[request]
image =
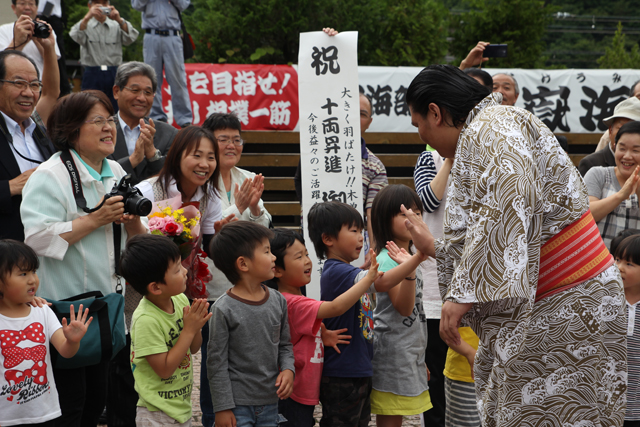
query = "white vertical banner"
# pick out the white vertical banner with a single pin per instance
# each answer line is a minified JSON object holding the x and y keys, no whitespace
{"x":330,"y":152}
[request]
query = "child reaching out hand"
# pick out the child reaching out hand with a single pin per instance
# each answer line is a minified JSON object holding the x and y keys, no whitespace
{"x":28,"y":394}
{"x":399,"y":373}
{"x":336,"y":231}
{"x":293,"y":271}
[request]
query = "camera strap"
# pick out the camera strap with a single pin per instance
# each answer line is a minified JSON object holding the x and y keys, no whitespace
{"x":76,"y":187}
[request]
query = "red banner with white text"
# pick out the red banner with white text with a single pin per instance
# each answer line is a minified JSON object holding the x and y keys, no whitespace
{"x":264,"y":97}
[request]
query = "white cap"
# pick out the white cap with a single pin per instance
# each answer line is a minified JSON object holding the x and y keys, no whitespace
{"x":627,"y":109}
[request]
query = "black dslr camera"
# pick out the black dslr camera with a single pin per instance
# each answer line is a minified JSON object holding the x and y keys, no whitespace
{"x":134,"y":202}
{"x":41,"y":30}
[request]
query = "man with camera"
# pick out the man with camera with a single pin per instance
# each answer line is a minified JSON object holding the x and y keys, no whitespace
{"x":21,"y":34}
{"x":101,"y":34}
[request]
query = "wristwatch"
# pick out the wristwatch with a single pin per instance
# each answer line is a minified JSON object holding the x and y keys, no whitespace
{"x":157,"y":156}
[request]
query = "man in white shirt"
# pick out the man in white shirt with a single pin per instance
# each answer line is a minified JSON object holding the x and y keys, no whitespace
{"x":53,"y":16}
{"x":19,"y":34}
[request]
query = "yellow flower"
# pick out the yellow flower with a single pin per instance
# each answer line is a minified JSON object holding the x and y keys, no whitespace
{"x":157,"y":214}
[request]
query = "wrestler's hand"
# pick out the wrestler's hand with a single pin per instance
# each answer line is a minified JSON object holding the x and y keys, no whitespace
{"x":452,"y":313}
{"x":420,"y":234}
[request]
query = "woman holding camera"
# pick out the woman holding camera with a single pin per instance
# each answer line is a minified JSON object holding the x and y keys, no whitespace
{"x":76,"y":249}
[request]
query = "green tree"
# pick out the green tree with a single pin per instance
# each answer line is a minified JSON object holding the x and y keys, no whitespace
{"x":519,"y":23}
{"x":618,"y":55}
{"x":402,"y":32}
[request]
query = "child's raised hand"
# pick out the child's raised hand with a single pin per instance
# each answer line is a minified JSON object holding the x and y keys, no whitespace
{"x":38,"y":302}
{"x":77,"y":326}
{"x":397,"y":254}
{"x":284,"y":382}
{"x":197,"y":315}
{"x":373,"y":273}
{"x":333,"y":338}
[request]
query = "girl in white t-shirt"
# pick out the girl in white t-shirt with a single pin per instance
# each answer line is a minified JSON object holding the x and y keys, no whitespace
{"x":27,"y":390}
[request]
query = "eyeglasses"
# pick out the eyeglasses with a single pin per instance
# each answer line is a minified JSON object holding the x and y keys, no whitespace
{"x":35,"y":86}
{"x":100,"y":121}
{"x":136,"y":91}
{"x":25,"y":4}
{"x":238,"y":142}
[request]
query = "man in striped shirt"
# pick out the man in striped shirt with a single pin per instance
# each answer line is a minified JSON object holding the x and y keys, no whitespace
{"x":374,"y":174}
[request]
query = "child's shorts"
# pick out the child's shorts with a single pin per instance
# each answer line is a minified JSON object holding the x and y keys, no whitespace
{"x":147,"y":418}
{"x":385,"y":403}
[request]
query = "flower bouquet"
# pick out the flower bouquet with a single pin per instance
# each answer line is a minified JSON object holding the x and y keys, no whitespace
{"x":182,"y":224}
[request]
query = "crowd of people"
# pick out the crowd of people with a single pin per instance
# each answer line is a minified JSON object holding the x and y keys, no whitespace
{"x":489,"y":295}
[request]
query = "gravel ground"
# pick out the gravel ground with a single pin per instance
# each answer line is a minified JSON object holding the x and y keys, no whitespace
{"x":413,"y":421}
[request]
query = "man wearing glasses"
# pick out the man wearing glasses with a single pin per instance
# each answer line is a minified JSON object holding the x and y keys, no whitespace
{"x":141,"y":143}
{"x":23,"y":144}
{"x":101,"y":34}
{"x":19,"y":34}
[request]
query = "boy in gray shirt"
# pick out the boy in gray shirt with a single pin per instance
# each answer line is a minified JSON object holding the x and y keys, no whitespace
{"x":250,"y":361}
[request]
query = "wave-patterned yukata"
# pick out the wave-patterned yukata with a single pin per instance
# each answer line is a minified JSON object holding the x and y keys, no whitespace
{"x":557,"y":362}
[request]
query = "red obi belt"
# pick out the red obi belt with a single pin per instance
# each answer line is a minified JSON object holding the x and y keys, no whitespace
{"x":571,"y":257}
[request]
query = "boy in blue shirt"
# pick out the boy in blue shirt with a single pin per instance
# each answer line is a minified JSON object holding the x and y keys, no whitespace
{"x":336,"y":232}
{"x":165,"y":331}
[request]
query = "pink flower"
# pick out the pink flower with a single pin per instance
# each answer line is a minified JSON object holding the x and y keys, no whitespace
{"x":156,"y":223}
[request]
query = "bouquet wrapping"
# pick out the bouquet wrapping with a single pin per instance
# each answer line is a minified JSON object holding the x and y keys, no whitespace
{"x":181,"y":223}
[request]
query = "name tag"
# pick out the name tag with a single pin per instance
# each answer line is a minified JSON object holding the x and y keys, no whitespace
{"x":103,"y":68}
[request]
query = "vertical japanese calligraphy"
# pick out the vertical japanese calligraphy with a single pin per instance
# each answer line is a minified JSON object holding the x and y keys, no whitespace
{"x":329,"y":127}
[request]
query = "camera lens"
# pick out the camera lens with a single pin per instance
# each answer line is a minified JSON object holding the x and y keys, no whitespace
{"x":137,"y":205}
{"x":40,"y":30}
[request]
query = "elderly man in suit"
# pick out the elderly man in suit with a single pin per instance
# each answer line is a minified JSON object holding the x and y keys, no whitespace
{"x":23,"y":142}
{"x":141,"y":143}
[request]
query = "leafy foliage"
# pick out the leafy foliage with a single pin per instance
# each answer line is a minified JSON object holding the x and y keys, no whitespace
{"x":518,"y":23}
{"x":617,"y":55}
{"x":404,"y":32}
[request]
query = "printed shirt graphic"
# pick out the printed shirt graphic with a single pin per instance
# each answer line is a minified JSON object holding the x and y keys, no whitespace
{"x":354,"y":361}
{"x":399,"y":342}
{"x":154,"y":331}
{"x":308,"y":349}
{"x":28,"y":393}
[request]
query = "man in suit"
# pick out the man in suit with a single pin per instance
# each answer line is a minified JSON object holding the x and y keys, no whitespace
{"x":141,"y":143}
{"x":23,"y":143}
{"x":625,"y":111}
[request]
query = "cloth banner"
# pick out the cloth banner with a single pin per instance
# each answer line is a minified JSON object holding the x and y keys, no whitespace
{"x":265,"y":97}
{"x":330,"y":151}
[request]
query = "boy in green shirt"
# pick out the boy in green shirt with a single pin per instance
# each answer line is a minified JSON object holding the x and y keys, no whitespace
{"x":165,"y":331}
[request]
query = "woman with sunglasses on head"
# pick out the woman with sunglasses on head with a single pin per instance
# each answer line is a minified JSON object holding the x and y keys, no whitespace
{"x":75,"y":248}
